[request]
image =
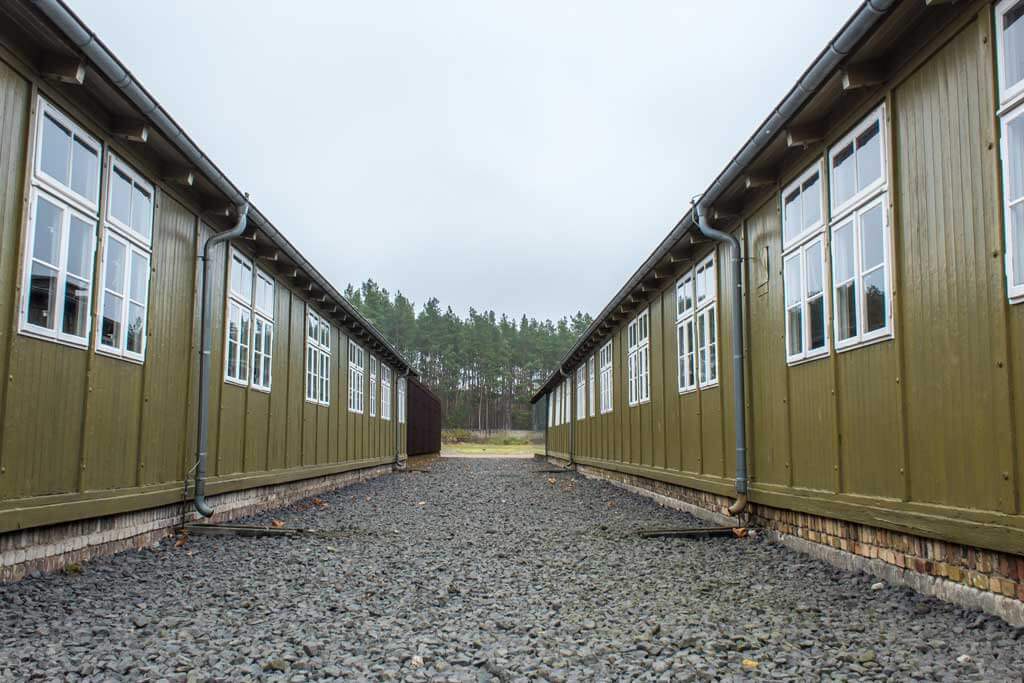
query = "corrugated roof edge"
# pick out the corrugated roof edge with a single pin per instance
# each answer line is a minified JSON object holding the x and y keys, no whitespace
{"x":864,"y":19}
{"x":86,"y":40}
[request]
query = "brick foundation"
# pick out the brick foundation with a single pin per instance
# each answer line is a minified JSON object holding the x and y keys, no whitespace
{"x":51,"y":548}
{"x":987,"y":580}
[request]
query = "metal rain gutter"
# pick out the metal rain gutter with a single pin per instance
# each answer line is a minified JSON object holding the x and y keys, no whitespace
{"x":863,"y":21}
{"x":111,"y":67}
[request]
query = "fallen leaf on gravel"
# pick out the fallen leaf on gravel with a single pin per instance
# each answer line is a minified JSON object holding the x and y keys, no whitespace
{"x":551,"y":480}
{"x":611,"y":503}
{"x":739,"y":531}
{"x":422,"y":502}
{"x":182,"y":540}
{"x":277,"y":523}
{"x":749,"y":664}
{"x":319,"y":503}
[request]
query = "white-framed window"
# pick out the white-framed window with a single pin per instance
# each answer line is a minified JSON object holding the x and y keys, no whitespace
{"x":581,"y":393}
{"x":373,"y":386}
{"x":67,"y":158}
{"x":804,"y":278}
{"x":859,"y":235}
{"x":803,"y":259}
{"x":551,"y":408}
{"x":591,"y":389}
{"x":128,"y":231}
{"x":567,"y":401}
{"x":802,"y":210}
{"x":402,"y":392}
{"x":638,"y":362}
{"x":605,"y":357}
{"x":318,"y":358}
{"x":58,"y":265}
{"x":250,"y":329}
{"x":697,"y":327}
{"x":857,"y":171}
{"x":385,"y":392}
{"x":861,"y":293}
{"x":356,"y":365}
{"x":1010,"y":51}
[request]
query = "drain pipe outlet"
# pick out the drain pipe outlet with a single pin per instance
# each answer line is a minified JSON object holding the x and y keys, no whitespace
{"x":739,"y":402}
{"x":203,"y":431}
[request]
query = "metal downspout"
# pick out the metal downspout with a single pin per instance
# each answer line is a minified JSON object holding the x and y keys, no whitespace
{"x":203,"y":432}
{"x":739,"y":401}
{"x":398,"y":425}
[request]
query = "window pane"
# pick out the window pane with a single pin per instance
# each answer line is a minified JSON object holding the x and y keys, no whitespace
{"x":136,"y":327}
{"x":56,"y":150}
{"x":268,"y":349}
{"x":842,"y":245}
{"x":115,"y":264}
{"x":846,"y":311}
{"x":815,"y":281}
{"x":1015,"y":160}
{"x":1013,"y":45}
{"x":47,"y":232}
{"x":869,"y":156}
{"x":843,"y":183}
{"x":871,"y":239}
{"x":85,"y":170}
{"x":811,"y":201}
{"x":791,"y":228}
{"x":140,"y":277}
{"x":80,"y":248}
{"x":243,"y":344}
{"x":795,"y":330}
{"x":42,"y":296}
{"x":142,"y":212}
{"x":816,"y":323}
{"x":110,"y":330}
{"x":1017,"y":258}
{"x":875,"y":300}
{"x":712,"y":357}
{"x":794,"y":289}
{"x":121,"y":197}
{"x":76,"y":306}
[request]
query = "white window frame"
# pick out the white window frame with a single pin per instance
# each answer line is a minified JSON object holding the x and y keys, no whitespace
{"x":581,"y":393}
{"x":56,"y":334}
{"x":797,"y":184}
{"x":263,"y":318}
{"x":1011,"y":95}
{"x":374,"y":363}
{"x":71,"y":203}
{"x":356,"y":377}
{"x":385,"y":392}
{"x":89,"y":205}
{"x":865,"y":194}
{"x":135,"y":244}
{"x":862,"y":337}
{"x":402,"y":393}
{"x":318,"y":358}
{"x":591,"y":390}
{"x":798,"y":248}
{"x":244,"y":304}
{"x":801,"y":254}
{"x":639,"y":358}
{"x":686,"y":332}
{"x":567,"y":389}
{"x":607,"y":360}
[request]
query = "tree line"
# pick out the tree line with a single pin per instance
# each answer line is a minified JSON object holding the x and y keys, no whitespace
{"x":484,"y":367}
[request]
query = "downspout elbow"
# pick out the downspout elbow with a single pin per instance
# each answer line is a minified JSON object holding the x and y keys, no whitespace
{"x":200,"y":503}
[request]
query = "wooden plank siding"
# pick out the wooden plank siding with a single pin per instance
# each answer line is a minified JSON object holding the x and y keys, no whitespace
{"x":920,"y":433}
{"x":84,"y":434}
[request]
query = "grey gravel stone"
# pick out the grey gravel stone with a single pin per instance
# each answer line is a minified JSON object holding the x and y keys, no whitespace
{"x":500,"y":576}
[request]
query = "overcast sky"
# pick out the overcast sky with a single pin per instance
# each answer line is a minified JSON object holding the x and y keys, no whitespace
{"x":519,"y":156}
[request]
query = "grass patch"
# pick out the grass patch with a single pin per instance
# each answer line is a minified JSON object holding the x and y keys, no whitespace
{"x":471,"y":448}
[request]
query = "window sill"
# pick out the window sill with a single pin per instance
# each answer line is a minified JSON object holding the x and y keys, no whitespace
{"x":709,"y":385}
{"x":355,"y":412}
{"x":262,"y":390}
{"x":818,"y":355}
{"x":236,"y":383}
{"x":688,"y":390}
{"x":32,"y":334}
{"x":110,"y":353}
{"x":859,"y":344}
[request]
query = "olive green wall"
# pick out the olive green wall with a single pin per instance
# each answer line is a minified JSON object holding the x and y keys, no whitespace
{"x":920,"y":433}
{"x":85,"y":434}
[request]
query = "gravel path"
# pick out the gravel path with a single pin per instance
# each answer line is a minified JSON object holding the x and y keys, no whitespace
{"x":486,"y":570}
